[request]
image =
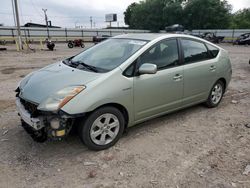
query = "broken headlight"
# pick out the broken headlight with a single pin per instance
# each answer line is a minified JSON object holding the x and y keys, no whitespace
{"x":60,"y":98}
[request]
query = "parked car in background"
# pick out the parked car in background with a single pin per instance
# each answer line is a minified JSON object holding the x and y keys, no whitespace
{"x":243,"y":39}
{"x":97,"y":39}
{"x":176,"y":28}
{"x":210,"y":36}
{"x":120,"y":82}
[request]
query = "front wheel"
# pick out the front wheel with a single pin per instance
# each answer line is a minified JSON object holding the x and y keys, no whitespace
{"x":82,"y":45}
{"x":102,"y":128}
{"x":216,"y":94}
{"x":70,"y":45}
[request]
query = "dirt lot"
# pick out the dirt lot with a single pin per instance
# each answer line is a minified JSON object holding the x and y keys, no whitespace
{"x":196,"y":147}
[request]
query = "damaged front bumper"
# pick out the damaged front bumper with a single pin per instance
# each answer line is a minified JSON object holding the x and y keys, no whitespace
{"x":43,"y":125}
{"x":35,"y":123}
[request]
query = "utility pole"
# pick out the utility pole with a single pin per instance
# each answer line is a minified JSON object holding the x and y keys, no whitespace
{"x":14,"y":14}
{"x":18,"y":26}
{"x":91,"y":21}
{"x":46,"y":20}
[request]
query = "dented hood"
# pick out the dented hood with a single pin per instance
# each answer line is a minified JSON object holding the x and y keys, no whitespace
{"x":40,"y":84}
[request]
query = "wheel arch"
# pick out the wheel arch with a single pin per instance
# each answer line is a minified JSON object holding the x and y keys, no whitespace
{"x":224,"y":82}
{"x":120,"y":107}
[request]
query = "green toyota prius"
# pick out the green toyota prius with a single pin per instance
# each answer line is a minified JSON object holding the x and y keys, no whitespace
{"x":123,"y":81}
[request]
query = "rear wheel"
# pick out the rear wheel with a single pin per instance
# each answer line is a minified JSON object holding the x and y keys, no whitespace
{"x":102,"y":128}
{"x":216,"y":94}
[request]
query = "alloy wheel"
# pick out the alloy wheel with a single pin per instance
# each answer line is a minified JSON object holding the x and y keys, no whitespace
{"x":104,"y":129}
{"x":217,"y":93}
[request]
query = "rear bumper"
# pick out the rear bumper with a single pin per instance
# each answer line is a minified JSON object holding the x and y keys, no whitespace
{"x":35,"y":123}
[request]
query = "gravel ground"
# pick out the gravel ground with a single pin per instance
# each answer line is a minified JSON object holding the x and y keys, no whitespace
{"x":195,"y":147}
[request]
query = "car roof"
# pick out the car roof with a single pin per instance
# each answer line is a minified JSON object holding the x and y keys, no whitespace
{"x":155,"y":36}
{"x":141,"y":36}
{"x":151,"y":36}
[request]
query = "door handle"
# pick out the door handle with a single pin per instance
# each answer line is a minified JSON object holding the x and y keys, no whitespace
{"x":177,"y":77}
{"x":212,"y":67}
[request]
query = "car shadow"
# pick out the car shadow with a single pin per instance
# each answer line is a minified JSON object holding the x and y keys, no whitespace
{"x":74,"y":141}
{"x":152,"y":124}
{"x":71,"y":146}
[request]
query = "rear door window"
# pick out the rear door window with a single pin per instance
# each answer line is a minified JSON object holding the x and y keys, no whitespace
{"x":194,"y":51}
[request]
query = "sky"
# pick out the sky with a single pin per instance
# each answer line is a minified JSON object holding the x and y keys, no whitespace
{"x":71,"y":13}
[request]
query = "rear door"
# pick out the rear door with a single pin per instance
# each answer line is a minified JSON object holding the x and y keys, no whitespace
{"x":158,"y":93}
{"x":199,"y":71}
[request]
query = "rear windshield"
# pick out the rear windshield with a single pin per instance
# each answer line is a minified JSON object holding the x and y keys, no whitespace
{"x":109,"y":54}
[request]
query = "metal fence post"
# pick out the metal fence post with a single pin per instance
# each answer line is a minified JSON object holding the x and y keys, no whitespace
{"x":233,"y":36}
{"x":13,"y":35}
{"x":66,"y":34}
{"x":28,"y":33}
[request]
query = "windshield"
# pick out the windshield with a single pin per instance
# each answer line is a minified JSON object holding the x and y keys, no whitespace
{"x":107,"y":55}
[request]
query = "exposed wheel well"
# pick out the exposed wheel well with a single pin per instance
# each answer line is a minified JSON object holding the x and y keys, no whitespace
{"x":224,"y":82}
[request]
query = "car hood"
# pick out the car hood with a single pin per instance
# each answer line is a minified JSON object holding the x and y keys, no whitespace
{"x":40,"y":84}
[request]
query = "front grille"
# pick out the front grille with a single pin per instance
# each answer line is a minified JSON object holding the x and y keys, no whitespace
{"x":30,"y":107}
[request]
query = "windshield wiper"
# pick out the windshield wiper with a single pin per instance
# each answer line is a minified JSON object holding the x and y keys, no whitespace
{"x":92,"y":68}
{"x":66,"y":61}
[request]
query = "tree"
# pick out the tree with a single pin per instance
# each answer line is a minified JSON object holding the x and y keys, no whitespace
{"x":241,"y":19}
{"x":207,"y":14}
{"x":193,"y":14}
{"x":128,"y":12}
{"x":153,"y":14}
{"x":173,"y":13}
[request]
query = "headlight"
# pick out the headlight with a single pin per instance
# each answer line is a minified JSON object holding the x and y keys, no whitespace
{"x":60,"y":98}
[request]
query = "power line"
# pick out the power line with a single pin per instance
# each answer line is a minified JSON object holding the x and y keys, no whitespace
{"x":58,"y":16}
{"x":6,"y":13}
{"x":21,"y":11}
{"x":35,"y":7}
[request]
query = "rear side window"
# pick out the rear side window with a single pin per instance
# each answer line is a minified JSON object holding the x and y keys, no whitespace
{"x":213,"y":50}
{"x":194,"y":51}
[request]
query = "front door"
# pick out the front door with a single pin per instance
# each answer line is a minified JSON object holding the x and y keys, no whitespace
{"x":156,"y":94}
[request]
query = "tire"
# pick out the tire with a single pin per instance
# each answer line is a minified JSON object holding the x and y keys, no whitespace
{"x":70,"y":45}
{"x":51,"y":46}
{"x":82,"y":45}
{"x":96,"y":129}
{"x":215,"y":95}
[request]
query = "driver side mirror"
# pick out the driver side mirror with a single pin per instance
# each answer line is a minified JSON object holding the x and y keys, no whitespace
{"x":147,"y":68}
